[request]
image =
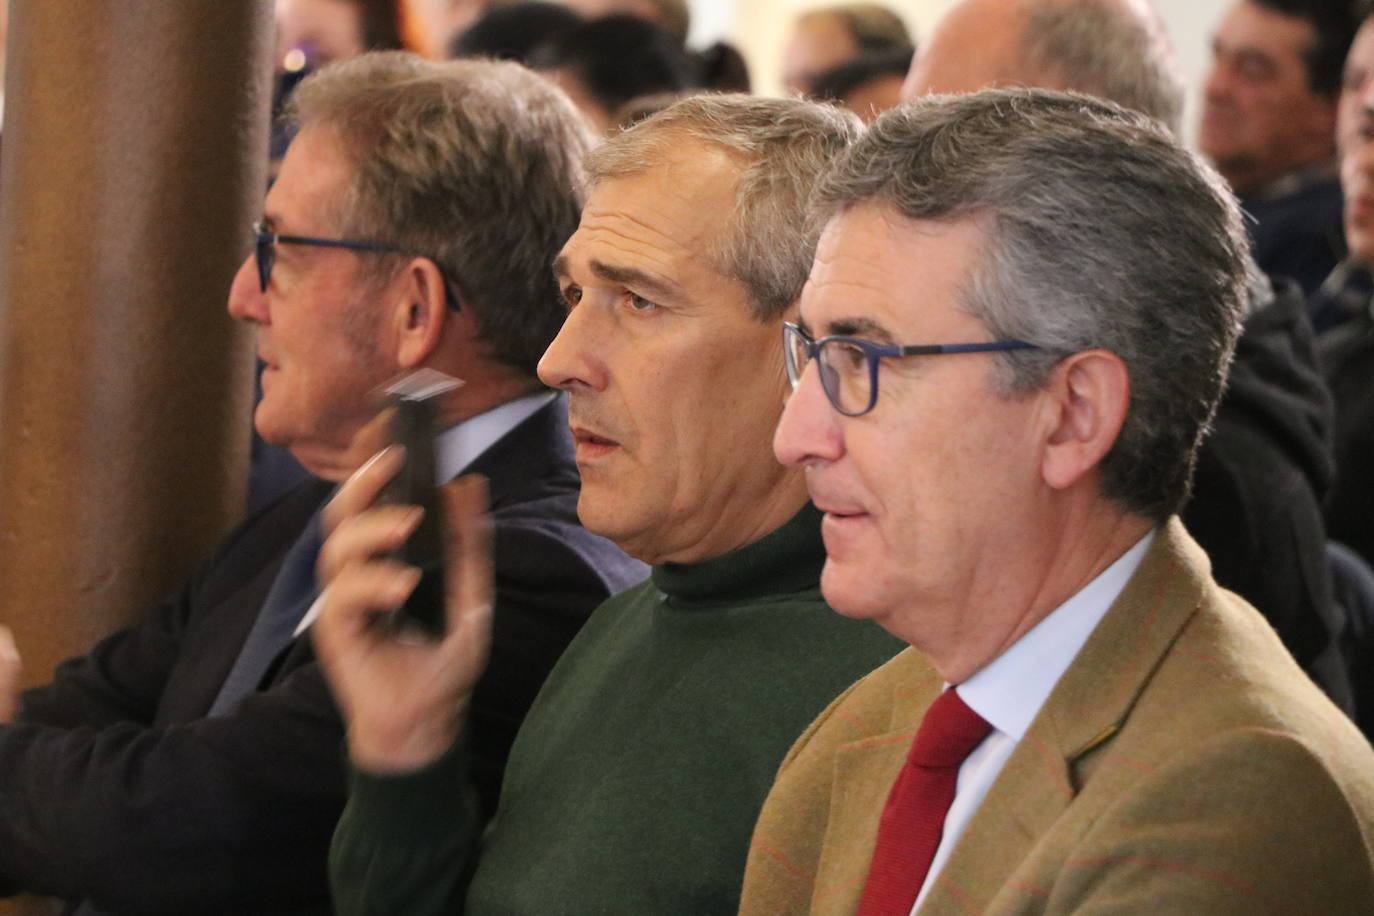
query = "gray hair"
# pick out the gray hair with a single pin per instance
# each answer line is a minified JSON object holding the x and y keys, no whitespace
{"x":1113,"y":49}
{"x":1102,"y":232}
{"x":783,"y":147}
{"x":476,"y":164}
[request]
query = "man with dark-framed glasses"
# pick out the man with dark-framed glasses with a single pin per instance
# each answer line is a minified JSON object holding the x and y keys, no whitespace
{"x":192,"y":764}
{"x":1014,"y":336}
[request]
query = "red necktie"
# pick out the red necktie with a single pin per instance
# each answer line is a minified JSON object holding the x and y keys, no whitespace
{"x":914,"y":816}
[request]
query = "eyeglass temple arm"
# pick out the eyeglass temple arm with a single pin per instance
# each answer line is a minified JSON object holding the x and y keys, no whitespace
{"x":990,"y":347}
{"x":352,"y":244}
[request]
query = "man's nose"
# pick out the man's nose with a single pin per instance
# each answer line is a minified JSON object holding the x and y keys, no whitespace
{"x":574,"y":358}
{"x":247,"y":302}
{"x":1218,"y":83}
{"x":809,"y":427}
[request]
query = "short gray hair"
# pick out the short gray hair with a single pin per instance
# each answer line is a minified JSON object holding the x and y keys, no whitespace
{"x":476,"y":164}
{"x":783,"y":146}
{"x":1102,"y":232}
{"x":1108,"y":49}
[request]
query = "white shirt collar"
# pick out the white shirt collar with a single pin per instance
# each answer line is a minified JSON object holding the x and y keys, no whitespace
{"x":1010,"y":690}
{"x":459,"y":446}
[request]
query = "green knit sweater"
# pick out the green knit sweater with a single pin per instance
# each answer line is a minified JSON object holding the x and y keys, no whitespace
{"x":636,"y":778}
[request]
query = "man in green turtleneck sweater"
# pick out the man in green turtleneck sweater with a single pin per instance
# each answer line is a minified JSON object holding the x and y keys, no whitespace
{"x":636,"y":778}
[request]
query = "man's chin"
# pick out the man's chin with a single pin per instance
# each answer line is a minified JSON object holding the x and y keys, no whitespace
{"x":595,"y":510}
{"x":1220,"y":150}
{"x":269,"y":431}
{"x":842,"y":586}
{"x":601,"y":510}
{"x":277,"y":434}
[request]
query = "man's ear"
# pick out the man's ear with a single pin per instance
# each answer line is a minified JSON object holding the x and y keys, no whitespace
{"x":1090,"y":392}
{"x":419,"y":312}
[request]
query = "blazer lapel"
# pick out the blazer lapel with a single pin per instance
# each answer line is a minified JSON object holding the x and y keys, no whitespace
{"x":1083,"y":713}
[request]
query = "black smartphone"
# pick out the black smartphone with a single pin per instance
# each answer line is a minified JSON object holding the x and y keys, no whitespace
{"x":414,"y":402}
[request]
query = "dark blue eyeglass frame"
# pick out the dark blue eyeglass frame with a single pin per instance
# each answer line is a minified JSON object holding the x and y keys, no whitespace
{"x":265,"y":255}
{"x":794,"y":338}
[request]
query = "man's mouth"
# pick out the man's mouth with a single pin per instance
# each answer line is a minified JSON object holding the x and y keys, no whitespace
{"x":838,"y":511}
{"x":1360,"y":208}
{"x":592,"y":445}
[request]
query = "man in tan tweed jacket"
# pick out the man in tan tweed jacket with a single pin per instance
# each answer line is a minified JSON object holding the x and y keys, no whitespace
{"x":1008,"y":509}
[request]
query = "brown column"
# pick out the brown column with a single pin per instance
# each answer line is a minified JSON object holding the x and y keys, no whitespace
{"x":133,"y":159}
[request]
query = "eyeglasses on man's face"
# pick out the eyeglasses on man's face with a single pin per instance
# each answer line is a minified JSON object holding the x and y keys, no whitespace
{"x":265,"y":254}
{"x":848,"y":366}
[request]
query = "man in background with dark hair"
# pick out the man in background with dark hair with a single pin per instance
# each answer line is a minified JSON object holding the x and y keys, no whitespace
{"x":514,"y":31}
{"x":824,"y":38}
{"x":191,"y":763}
{"x":1347,"y":350}
{"x":1268,"y":125}
{"x":604,"y":63}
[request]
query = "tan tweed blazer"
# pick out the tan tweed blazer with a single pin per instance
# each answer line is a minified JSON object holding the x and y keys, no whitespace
{"x":1183,"y":764}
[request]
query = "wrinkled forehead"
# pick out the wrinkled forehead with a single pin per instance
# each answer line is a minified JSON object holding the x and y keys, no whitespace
{"x":671,"y":219}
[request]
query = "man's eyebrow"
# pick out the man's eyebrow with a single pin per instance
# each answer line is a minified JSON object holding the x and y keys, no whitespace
{"x":866,"y":328}
{"x":631,"y":276}
{"x":560,"y":266}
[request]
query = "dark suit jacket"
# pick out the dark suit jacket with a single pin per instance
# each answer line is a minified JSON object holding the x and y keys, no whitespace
{"x":1347,"y":358}
{"x":116,"y":788}
{"x":1182,"y":764}
{"x":1298,"y":232}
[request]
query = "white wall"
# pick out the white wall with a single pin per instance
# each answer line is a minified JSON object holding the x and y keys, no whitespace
{"x":760,"y":27}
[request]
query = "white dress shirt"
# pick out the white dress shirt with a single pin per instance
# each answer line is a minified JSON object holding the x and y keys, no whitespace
{"x":1010,"y":690}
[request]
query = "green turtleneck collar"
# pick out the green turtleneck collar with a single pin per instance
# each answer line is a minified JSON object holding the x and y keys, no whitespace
{"x":786,"y":560}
